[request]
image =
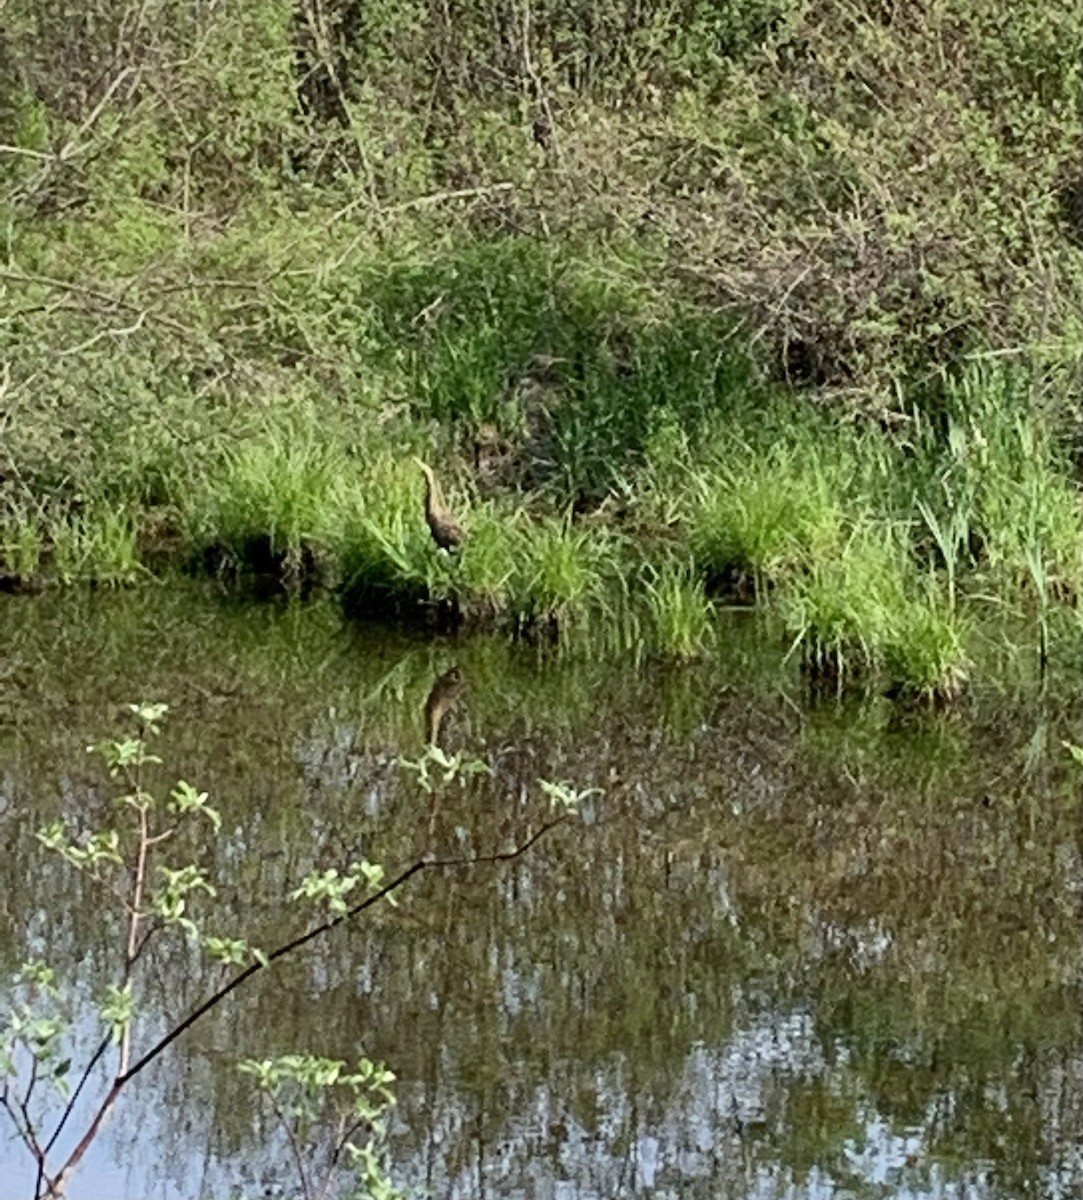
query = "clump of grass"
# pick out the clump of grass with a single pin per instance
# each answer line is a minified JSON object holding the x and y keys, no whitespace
{"x":759,"y":522}
{"x":97,"y":546}
{"x":863,"y":613}
{"x":21,"y":547}
{"x":488,"y":561}
{"x":561,"y":570}
{"x":385,"y":555}
{"x":681,"y":617}
{"x":924,"y":652}
{"x":839,"y":613}
{"x":268,"y":504}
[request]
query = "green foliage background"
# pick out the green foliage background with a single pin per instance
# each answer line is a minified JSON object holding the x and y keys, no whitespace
{"x":553,"y":246}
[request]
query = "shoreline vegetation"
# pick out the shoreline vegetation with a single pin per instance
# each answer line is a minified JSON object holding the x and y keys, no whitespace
{"x":762,"y":306}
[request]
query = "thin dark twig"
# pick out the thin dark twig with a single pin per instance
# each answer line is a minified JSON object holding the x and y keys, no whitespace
{"x":155,"y":927}
{"x":346,"y":1136}
{"x":69,"y":1108}
{"x":32,"y":1083}
{"x":25,"y":1135}
{"x":295,"y":1149}
{"x":332,"y":1164}
{"x":31,"y":1140}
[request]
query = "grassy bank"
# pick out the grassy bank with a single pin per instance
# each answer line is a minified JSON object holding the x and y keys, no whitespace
{"x":878,"y":553}
{"x":784,"y":314}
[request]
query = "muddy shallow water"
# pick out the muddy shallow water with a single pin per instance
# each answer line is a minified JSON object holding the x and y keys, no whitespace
{"x":790,"y":950}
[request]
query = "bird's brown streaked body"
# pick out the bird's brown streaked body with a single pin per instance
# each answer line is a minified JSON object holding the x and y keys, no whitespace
{"x":446,"y":532}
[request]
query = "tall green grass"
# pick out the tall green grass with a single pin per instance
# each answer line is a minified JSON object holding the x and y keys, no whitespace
{"x":764,"y":518}
{"x":266,"y":503}
{"x":682,"y":621}
{"x":838,"y":613}
{"x":864,"y":615}
{"x":99,"y":546}
{"x":561,"y":571}
{"x":386,"y":559}
{"x":924,"y":652}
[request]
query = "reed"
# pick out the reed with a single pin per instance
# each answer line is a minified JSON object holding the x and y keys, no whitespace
{"x":764,"y":520}
{"x":681,"y":617}
{"x":97,"y":546}
{"x":267,"y":505}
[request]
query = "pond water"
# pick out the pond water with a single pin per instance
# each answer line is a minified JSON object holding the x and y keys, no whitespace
{"x":790,"y":949}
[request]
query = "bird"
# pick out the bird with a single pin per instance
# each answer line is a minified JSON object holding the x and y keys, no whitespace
{"x":446,"y":532}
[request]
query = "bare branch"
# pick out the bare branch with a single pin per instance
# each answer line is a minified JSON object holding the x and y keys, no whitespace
{"x":282,"y":951}
{"x":73,"y":1099}
{"x":5,"y":149}
{"x":102,"y":334}
{"x":457,"y":194}
{"x":303,"y":939}
{"x":70,"y":147}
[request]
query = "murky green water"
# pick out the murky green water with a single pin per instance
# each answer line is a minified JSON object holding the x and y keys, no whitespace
{"x":790,"y":951}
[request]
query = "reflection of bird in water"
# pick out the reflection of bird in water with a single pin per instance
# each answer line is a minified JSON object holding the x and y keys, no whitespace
{"x":446,"y":532}
{"x":442,"y":696}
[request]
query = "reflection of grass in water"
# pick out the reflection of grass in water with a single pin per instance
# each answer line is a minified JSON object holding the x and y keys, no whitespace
{"x":869,"y":740}
{"x":590,"y":914}
{"x":219,"y":654}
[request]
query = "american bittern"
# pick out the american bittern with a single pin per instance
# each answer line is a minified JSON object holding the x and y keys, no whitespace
{"x":446,"y":532}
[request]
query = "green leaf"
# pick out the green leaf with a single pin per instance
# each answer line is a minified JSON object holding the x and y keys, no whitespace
{"x":117,"y":1009}
{"x":184,"y":799}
